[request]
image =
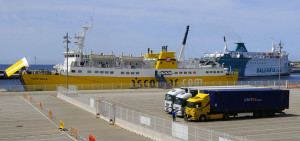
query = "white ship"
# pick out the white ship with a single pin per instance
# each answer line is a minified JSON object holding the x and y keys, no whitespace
{"x":252,"y":63}
{"x":92,"y":71}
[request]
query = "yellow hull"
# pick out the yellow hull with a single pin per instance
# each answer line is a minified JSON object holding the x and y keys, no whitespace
{"x":44,"y":82}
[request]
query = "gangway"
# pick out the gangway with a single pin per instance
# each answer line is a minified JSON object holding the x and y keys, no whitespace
{"x":163,"y":81}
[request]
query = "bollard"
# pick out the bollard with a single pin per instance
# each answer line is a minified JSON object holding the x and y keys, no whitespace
{"x":61,"y":125}
{"x":31,"y":98}
{"x":92,"y":138}
{"x":41,"y":106}
{"x":25,"y":96}
{"x":164,"y":87}
{"x":73,"y":132}
{"x":50,"y":114}
{"x":171,"y":87}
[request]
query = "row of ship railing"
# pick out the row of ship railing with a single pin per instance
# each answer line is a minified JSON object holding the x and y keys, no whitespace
{"x":284,"y":84}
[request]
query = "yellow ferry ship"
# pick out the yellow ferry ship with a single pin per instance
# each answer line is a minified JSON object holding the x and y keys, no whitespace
{"x":92,"y":71}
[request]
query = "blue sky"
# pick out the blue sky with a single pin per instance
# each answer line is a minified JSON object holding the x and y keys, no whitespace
{"x":36,"y":28}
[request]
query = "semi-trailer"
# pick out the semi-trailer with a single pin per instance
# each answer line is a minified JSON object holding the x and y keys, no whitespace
{"x":223,"y":103}
{"x":179,"y":103}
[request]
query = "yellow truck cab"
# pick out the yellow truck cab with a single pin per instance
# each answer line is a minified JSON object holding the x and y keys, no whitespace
{"x":198,"y":108}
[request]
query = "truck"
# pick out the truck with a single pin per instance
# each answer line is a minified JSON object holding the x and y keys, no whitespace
{"x":223,"y":103}
{"x":180,"y":100}
{"x":180,"y":103}
{"x":170,"y":97}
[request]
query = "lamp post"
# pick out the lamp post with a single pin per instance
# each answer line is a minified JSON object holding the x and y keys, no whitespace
{"x":280,"y":47}
{"x":67,"y":37}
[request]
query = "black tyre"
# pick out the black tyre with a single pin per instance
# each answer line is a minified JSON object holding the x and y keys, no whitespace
{"x":256,"y":114}
{"x":226,"y":116}
{"x":271,"y":114}
{"x":202,"y":118}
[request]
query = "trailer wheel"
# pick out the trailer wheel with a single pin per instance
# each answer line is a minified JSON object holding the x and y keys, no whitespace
{"x":225,"y":116}
{"x":257,"y":114}
{"x":271,"y":114}
{"x":202,"y":118}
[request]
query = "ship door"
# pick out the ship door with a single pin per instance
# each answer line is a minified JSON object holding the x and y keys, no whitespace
{"x":156,"y":73}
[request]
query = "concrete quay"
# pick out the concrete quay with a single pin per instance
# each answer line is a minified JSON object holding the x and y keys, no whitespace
{"x":21,"y":119}
{"x":151,"y":101}
{"x":16,"y":112}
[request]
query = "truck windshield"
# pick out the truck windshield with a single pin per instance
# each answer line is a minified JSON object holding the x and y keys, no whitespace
{"x":168,"y":97}
{"x":178,"y":101}
{"x":193,"y":104}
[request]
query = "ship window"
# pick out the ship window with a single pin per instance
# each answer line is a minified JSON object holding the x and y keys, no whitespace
{"x":89,"y":71}
{"x":137,"y":73}
{"x":190,"y":72}
{"x":132,"y":72}
{"x":210,"y":72}
{"x":218,"y":71}
{"x":101,"y":72}
{"x":111,"y":72}
{"x":122,"y":72}
{"x":214,"y":71}
{"x":106,"y":72}
{"x":79,"y":71}
{"x":176,"y":72}
{"x":207,"y":71}
{"x":194,"y":72}
{"x":127,"y":72}
{"x":96,"y":71}
{"x":185,"y":72}
{"x":73,"y":71}
{"x":180,"y":72}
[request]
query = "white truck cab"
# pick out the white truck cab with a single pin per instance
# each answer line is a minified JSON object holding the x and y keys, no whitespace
{"x":180,"y":103}
{"x":170,"y":97}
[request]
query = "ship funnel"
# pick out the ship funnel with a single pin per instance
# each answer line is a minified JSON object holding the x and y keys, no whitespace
{"x":15,"y":67}
{"x":181,"y":54}
{"x":273,"y":47}
{"x":240,"y":47}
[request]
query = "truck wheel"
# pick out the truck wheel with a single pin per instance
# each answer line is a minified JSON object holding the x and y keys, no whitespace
{"x":202,"y":118}
{"x":225,"y":116}
{"x":185,"y":118}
